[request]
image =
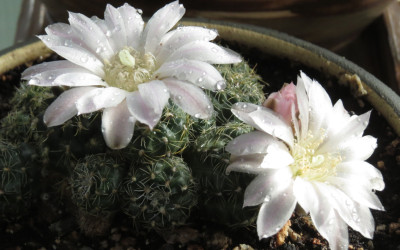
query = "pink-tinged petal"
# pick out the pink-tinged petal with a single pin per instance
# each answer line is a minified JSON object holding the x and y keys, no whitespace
{"x":49,"y":66}
{"x":189,"y":98}
{"x":100,"y":98}
{"x":361,"y":172}
{"x":356,"y":216}
{"x":358,"y":193}
{"x":206,"y":52}
{"x":249,"y":164}
{"x":74,"y":53}
{"x":302,"y":104}
{"x":264,"y":119}
{"x":65,"y":32}
{"x":199,"y":73}
{"x":267,"y":186}
{"x":116,"y":27}
{"x":91,"y":35}
{"x":159,"y":24}
{"x":133,"y":24}
{"x":274,"y":213}
{"x":283,"y":101}
{"x":354,"y":128}
{"x":148,"y":103}
{"x":63,"y":108}
{"x":255,"y":142}
{"x":117,"y":126}
{"x":320,"y":106}
{"x":181,"y":36}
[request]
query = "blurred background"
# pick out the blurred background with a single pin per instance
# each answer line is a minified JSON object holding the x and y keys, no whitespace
{"x":366,"y":32}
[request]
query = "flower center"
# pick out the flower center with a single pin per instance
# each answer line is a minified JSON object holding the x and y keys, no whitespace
{"x":311,"y":165}
{"x":129,"y":68}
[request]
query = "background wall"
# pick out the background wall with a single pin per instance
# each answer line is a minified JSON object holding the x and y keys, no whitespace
{"x":9,"y":13}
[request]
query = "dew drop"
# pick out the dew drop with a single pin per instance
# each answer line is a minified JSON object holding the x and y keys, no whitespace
{"x":84,"y":59}
{"x":197,"y":115}
{"x":67,"y":43}
{"x":200,"y":79}
{"x":267,"y":198}
{"x":179,"y":97}
{"x":221,"y":85}
{"x":34,"y":81}
{"x":214,"y":49}
{"x":140,"y":11}
{"x":108,"y":33}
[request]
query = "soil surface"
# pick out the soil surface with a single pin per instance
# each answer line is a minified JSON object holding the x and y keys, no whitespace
{"x":49,"y":225}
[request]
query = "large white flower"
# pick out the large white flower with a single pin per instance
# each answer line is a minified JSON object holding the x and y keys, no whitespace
{"x":317,"y":161}
{"x":128,"y":69}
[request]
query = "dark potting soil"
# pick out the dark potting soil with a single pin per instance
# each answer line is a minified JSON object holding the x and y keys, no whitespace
{"x":49,"y":225}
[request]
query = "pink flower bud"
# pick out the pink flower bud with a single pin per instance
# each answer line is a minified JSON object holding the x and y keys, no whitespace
{"x":281,"y":102}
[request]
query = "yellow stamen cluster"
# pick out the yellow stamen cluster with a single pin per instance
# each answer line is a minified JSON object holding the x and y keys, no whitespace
{"x":129,"y":68}
{"x":308,"y":163}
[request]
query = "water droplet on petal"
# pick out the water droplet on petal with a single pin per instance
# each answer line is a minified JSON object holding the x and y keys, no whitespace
{"x":34,"y":81}
{"x":139,"y":11}
{"x":214,"y":49}
{"x":197,"y":115}
{"x":108,"y":33}
{"x":221,"y":85}
{"x":200,"y":79}
{"x":267,"y":198}
{"x":84,"y":59}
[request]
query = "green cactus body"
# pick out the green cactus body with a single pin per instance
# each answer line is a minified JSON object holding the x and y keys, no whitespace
{"x":95,"y":183}
{"x":17,"y":172}
{"x":160,"y":194}
{"x":169,"y":137}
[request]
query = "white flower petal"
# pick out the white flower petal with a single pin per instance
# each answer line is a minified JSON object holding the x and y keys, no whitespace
{"x":277,"y":156}
{"x":48,"y":66}
{"x":250,"y":164}
{"x":199,"y":73}
{"x":263,"y":119}
{"x":255,"y":142}
{"x":116,"y":27}
{"x":359,"y":148}
{"x":63,"y":108}
{"x":206,"y":52}
{"x":100,"y":98}
{"x":133,"y":24}
{"x":101,"y":23}
{"x":117,"y":126}
{"x":356,"y":216}
{"x":274,"y":214}
{"x":65,"y":32}
{"x":354,"y":128}
{"x":181,"y":36}
{"x":90,"y":34}
{"x":361,"y":172}
{"x":358,"y":193}
{"x":190,"y":98}
{"x":269,"y":185}
{"x":159,"y":24}
{"x":305,"y":194}
{"x":147,"y":104}
{"x":302,"y":103}
{"x":74,"y":53}
{"x":74,"y":79}
{"x":320,"y":106}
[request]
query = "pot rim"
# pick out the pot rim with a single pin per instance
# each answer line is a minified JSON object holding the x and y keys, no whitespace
{"x":381,"y":97}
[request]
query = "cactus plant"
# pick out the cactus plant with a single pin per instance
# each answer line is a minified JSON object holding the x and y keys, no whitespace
{"x":156,"y":180}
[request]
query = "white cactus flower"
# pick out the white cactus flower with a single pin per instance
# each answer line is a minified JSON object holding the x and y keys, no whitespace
{"x":316,"y":161}
{"x":129,"y":70}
